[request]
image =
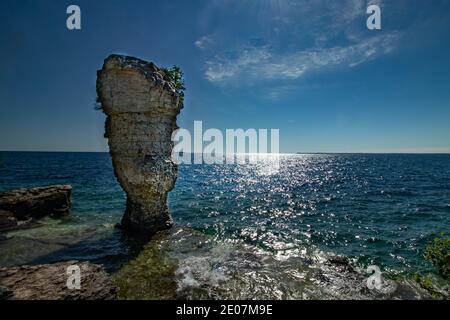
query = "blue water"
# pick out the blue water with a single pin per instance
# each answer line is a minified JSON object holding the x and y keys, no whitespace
{"x":379,"y":209}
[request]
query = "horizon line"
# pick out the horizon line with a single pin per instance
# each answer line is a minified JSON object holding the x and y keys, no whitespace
{"x":280,"y":153}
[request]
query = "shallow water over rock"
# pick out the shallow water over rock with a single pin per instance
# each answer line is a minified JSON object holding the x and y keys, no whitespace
{"x":184,"y":264}
{"x":256,"y":234}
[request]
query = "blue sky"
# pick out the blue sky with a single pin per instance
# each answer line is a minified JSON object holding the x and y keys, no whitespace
{"x":309,"y":68}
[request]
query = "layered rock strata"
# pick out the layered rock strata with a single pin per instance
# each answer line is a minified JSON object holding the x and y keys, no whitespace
{"x":19,"y":208}
{"x":141,"y":105}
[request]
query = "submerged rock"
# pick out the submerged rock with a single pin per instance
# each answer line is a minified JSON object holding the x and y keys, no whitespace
{"x":141,"y":105}
{"x":182,"y":263}
{"x":49,"y":282}
{"x":19,"y":208}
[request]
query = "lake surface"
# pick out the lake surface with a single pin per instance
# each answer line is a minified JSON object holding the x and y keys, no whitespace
{"x":375,"y":209}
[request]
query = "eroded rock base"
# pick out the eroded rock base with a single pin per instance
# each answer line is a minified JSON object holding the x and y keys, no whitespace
{"x":141,"y":105}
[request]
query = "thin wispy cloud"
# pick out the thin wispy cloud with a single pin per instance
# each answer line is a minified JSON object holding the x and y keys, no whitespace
{"x":261,"y":63}
{"x":295,"y":38}
{"x":204,"y":42}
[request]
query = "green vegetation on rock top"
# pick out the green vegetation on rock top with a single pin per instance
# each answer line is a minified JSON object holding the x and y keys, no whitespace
{"x":175,"y":76}
{"x":438,"y":253}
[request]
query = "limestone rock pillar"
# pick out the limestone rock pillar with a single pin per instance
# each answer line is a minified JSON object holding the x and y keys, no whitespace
{"x":141,"y":105}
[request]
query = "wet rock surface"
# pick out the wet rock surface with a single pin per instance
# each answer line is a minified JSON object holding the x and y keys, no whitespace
{"x":184,"y":264}
{"x":46,"y":244}
{"x":141,"y":107}
{"x":49,"y":282}
{"x":20,"y":208}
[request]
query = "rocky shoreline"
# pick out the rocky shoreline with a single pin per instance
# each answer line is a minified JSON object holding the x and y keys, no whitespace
{"x":182,"y":263}
{"x":49,"y":282}
{"x":22,"y":208}
{"x":141,"y":104}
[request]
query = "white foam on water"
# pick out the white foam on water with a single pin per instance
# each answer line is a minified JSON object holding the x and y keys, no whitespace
{"x":203,"y":270}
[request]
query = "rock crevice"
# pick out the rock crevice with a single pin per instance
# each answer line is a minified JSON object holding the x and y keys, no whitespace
{"x":141,"y":106}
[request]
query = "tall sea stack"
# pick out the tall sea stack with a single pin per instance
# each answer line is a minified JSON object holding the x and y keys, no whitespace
{"x":142,"y":106}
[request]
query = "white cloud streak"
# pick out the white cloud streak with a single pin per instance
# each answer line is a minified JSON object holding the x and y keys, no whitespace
{"x":204,"y":42}
{"x":264,"y":64}
{"x":300,"y":37}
